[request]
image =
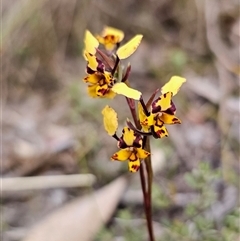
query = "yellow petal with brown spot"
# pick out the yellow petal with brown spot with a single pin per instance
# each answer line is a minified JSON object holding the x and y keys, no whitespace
{"x":145,"y":121}
{"x":119,"y":34}
{"x":161,"y":131}
{"x":92,"y":61}
{"x":133,"y":166}
{"x":121,"y":155}
{"x":169,"y":119}
{"x":164,"y":101}
{"x":92,"y":78}
{"x":142,"y":154}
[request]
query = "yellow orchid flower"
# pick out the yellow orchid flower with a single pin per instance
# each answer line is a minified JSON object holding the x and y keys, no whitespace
{"x":99,"y":85}
{"x":131,"y":149}
{"x":103,"y":85}
{"x":130,"y":142}
{"x":162,"y":110}
{"x":110,"y":37}
{"x":101,"y":82}
{"x":153,"y":123}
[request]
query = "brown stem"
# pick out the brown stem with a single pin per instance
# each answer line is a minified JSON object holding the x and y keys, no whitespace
{"x":148,"y":163}
{"x":147,"y":194}
{"x":148,"y":212}
{"x":132,"y":108}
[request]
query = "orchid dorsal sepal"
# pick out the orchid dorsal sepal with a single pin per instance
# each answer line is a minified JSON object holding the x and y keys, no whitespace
{"x":110,"y":38}
{"x":113,"y":31}
{"x":132,"y":127}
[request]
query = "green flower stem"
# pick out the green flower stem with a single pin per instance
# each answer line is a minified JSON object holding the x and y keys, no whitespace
{"x":147,"y":194}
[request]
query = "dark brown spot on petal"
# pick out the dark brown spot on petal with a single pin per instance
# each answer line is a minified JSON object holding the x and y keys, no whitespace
{"x":155,"y":107}
{"x":171,"y":110}
{"x":90,"y":71}
{"x":115,"y":156}
{"x":121,"y":144}
{"x":135,"y":167}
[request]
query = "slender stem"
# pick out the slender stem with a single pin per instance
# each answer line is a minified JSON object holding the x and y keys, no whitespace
{"x":146,"y":204}
{"x":148,"y":163}
{"x":146,"y":193}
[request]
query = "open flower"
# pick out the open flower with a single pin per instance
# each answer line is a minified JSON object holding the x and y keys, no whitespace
{"x":162,"y":110}
{"x":130,"y":142}
{"x":101,"y":82}
{"x":110,"y":37}
{"x":100,"y":74}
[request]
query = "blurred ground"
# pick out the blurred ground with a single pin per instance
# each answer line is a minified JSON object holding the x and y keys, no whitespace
{"x":50,"y":126}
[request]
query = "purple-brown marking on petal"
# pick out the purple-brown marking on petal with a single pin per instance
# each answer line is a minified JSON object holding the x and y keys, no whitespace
{"x":101,"y":66}
{"x":155,"y":135}
{"x":115,"y":156}
{"x":89,"y":70}
{"x":155,"y":107}
{"x":176,"y":120}
{"x":135,"y":167}
{"x":171,"y":110}
{"x":121,"y":143}
{"x":138,"y":141}
{"x":102,"y":91}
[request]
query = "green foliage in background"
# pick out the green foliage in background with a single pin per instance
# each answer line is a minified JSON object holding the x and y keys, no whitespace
{"x":192,"y":224}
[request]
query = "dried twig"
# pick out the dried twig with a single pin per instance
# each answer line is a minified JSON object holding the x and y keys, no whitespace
{"x":43,"y":182}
